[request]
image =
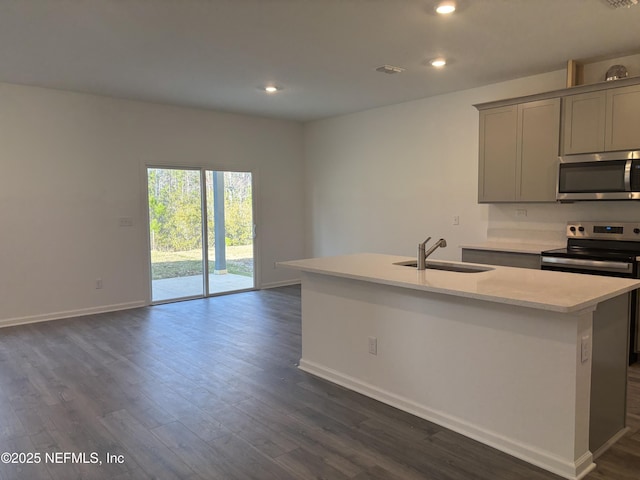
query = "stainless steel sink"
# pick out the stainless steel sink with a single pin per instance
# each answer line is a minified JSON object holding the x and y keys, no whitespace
{"x":446,"y":267}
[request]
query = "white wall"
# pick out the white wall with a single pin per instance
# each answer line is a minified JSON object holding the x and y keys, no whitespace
{"x":384,"y":179}
{"x":71,"y":164}
{"x":379,"y":181}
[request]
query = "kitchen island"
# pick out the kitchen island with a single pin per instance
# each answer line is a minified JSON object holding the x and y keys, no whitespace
{"x":530,"y":362}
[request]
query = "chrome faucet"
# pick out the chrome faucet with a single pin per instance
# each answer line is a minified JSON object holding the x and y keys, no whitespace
{"x":422,"y":255}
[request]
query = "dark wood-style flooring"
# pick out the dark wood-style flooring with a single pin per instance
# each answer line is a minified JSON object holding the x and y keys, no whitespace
{"x":209,"y":389}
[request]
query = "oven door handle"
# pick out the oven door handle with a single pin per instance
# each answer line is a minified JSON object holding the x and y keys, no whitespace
{"x":595,"y":265}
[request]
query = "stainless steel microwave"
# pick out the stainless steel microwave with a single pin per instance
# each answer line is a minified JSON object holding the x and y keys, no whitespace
{"x":599,"y":176}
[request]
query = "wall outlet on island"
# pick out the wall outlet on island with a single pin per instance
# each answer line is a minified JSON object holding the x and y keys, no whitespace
{"x":585,"y":349}
{"x":521,"y":212}
{"x":373,"y":345}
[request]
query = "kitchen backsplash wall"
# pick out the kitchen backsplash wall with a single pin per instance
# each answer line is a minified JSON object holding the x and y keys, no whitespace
{"x":540,"y":220}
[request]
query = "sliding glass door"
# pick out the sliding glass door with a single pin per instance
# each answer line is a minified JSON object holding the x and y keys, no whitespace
{"x":200,"y":232}
{"x":175,"y":233}
{"x":230,"y":231}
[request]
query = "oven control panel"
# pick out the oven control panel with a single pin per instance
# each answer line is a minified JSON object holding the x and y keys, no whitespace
{"x":604,"y":230}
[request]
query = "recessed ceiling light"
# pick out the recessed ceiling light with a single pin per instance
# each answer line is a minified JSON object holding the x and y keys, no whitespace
{"x":445,"y":8}
{"x":271,"y":89}
{"x":438,"y":62}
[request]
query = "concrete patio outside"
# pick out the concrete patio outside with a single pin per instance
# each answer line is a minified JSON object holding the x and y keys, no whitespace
{"x":180,"y":287}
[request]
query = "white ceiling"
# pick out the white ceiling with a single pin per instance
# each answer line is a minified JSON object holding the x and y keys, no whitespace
{"x":216,"y":53}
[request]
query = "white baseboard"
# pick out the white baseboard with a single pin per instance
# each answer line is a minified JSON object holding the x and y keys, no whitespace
{"x":547,"y":460}
{"x":10,"y":322}
{"x":607,"y":445}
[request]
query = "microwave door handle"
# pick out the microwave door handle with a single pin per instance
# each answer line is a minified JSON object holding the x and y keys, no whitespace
{"x":627,"y":176}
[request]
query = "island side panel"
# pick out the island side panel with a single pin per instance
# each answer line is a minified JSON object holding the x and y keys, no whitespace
{"x":508,"y":376}
{"x":609,"y":373}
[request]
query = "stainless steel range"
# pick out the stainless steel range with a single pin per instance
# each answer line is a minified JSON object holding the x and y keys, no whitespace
{"x":603,"y":248}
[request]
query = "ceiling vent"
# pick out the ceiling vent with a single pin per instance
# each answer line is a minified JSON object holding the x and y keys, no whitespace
{"x":621,"y":3}
{"x":390,"y":69}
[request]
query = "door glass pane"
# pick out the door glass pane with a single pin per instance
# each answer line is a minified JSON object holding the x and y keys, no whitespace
{"x":175,"y":232}
{"x":230,"y":231}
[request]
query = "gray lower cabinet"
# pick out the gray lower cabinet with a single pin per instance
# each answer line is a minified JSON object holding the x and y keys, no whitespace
{"x":501,"y":258}
{"x":518,"y":154}
{"x":601,"y":121}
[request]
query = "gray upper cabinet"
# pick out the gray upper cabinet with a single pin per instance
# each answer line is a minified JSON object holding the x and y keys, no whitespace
{"x":623,"y":119}
{"x":601,"y":121}
{"x":539,"y":135}
{"x":520,"y":138}
{"x":518,"y":154}
{"x":583,"y":118}
{"x":498,"y":147}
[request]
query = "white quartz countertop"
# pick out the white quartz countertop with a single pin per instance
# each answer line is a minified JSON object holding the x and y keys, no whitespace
{"x":540,"y":289}
{"x":514,"y":247}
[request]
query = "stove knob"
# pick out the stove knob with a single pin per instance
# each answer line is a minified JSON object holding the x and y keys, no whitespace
{"x":581,"y":229}
{"x":636,"y":230}
{"x":573,"y":229}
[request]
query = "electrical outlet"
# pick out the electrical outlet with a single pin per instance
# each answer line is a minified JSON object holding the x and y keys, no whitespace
{"x":125,"y":221}
{"x":98,"y":283}
{"x":456,"y":220}
{"x":585,"y":349}
{"x":521,"y":212}
{"x":373,"y":345}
